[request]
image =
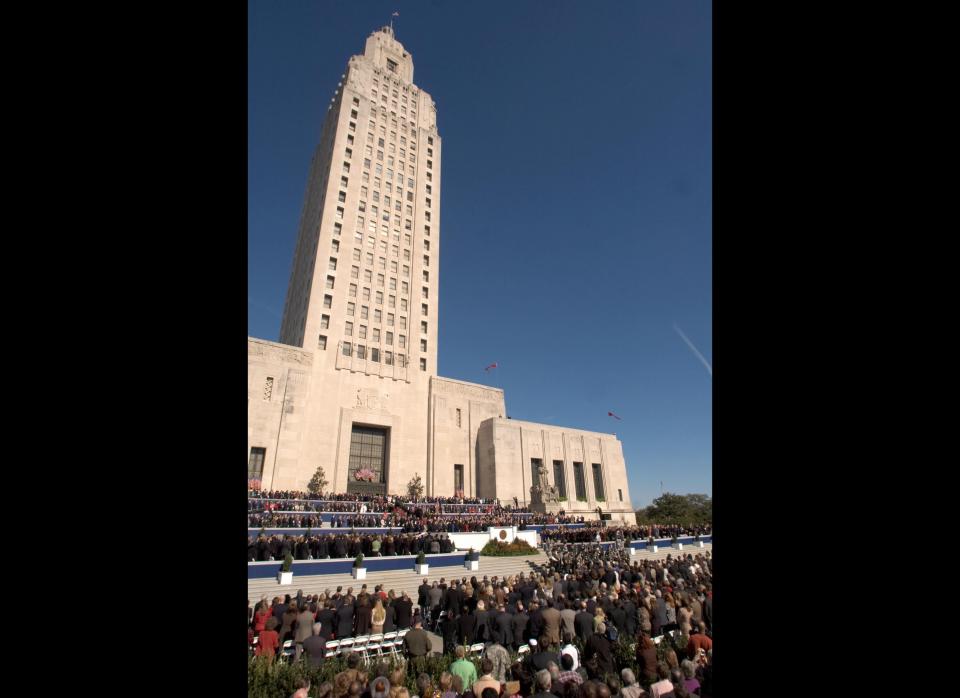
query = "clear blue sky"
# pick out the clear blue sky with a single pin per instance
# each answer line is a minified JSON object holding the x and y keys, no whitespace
{"x":575,"y":201}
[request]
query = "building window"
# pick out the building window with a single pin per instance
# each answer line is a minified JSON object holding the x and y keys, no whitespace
{"x":424,"y":292}
{"x":364,"y":312}
{"x":377,"y":315}
{"x":388,"y":358}
{"x":390,"y":318}
{"x":375,"y":354}
{"x":535,"y":464}
{"x":620,"y":494}
{"x":323,"y":342}
{"x":426,"y":276}
{"x":424,"y":309}
{"x":348,"y":329}
{"x":376,"y":334}
{"x":268,"y":389}
{"x":255,"y":464}
{"x":361,"y":352}
{"x":353,"y":291}
{"x":328,"y":300}
{"x":426,"y":260}
{"x":580,"y":483}
{"x":335,"y":246}
{"x":339,"y":213}
{"x":423,"y":364}
{"x":368,"y":450}
{"x":598,"y":483}
{"x":391,"y":66}
{"x":458,"y":416}
{"x":423,"y":328}
{"x":458,"y":479}
{"x":355,"y":271}
{"x":402,"y":341}
{"x":351,"y":309}
{"x":423,"y":345}
{"x":558,"y":479}
{"x":324,"y":322}
{"x":330,"y":280}
{"x":347,"y":349}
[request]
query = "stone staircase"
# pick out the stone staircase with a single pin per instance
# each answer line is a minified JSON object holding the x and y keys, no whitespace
{"x":408,"y":580}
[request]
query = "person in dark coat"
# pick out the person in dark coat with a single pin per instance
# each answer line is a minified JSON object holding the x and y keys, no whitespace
{"x":423,"y":592}
{"x":535,"y":624}
{"x":345,"y":619}
{"x":503,"y":629}
{"x":481,"y":631}
{"x":404,"y":611}
{"x":519,"y":625}
{"x":630,"y":609}
{"x":390,"y":620}
{"x":584,"y":623}
{"x":467,"y":627}
{"x":326,"y":617}
{"x":362,"y":617}
{"x":448,"y":629}
{"x":599,"y":646}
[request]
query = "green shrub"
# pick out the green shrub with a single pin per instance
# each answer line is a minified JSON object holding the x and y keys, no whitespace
{"x":288,"y":562}
{"x":517,"y":547}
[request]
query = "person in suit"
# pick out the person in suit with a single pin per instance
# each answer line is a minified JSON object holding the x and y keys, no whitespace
{"x":482,"y":628}
{"x":423,"y":592}
{"x":551,"y":624}
{"x":326,"y":616}
{"x":467,"y":623}
{"x":535,"y":624}
{"x":599,"y":646}
{"x":303,"y":629}
{"x":583,"y":622}
{"x":519,"y":625}
{"x":503,"y":628}
{"x":345,"y":619}
{"x":314,"y":647}
{"x":567,"y":616}
{"x":434,"y":598}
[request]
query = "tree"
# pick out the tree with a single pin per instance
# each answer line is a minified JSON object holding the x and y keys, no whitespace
{"x":318,"y":483}
{"x":415,"y":487}
{"x":671,"y":508}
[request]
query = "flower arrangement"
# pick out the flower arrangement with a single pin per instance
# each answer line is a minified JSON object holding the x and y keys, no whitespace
{"x":365,"y":474}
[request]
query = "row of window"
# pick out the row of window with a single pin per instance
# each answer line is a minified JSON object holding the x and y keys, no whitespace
{"x":559,"y":479}
{"x":360,"y":351}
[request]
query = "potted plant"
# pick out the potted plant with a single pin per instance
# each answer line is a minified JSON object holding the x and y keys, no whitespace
{"x":421,"y":567}
{"x":652,"y":545}
{"x":676,"y":544}
{"x":472,"y":560}
{"x":285,"y":575}
{"x":359,"y":571}
{"x":699,"y":541}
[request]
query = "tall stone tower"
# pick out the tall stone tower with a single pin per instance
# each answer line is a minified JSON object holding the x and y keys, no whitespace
{"x":361,"y":304}
{"x":366,"y":265}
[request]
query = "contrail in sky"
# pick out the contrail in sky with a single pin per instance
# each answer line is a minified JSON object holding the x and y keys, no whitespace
{"x":690,"y":344}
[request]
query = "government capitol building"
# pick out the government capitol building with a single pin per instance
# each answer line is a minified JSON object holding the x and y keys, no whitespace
{"x":352,"y":385}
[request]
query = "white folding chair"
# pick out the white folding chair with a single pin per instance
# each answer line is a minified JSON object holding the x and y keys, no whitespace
{"x":657,"y":639}
{"x":477,"y":649}
{"x":360,"y":645}
{"x":523,"y":649}
{"x":332,"y":649}
{"x":373,"y":647}
{"x":288,"y":650}
{"x":390,"y":643}
{"x":346,"y":645}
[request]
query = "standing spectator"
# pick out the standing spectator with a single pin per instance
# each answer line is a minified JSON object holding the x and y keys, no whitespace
{"x":487,"y":679}
{"x":345,"y":620}
{"x":269,"y":640}
{"x":464,"y":669}
{"x":378,"y":617}
{"x":630,"y":689}
{"x":416,"y":643}
{"x":689,"y":670}
{"x":599,"y":646}
{"x":500,"y":658}
{"x":404,"y":610}
{"x":362,"y":616}
{"x":314,"y":647}
{"x":303,"y":630}
{"x":663,"y":686}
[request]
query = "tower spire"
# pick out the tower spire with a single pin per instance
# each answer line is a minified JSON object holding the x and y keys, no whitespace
{"x":395,"y":14}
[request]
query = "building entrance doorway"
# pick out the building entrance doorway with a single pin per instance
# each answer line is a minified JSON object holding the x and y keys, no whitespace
{"x":368,"y":460}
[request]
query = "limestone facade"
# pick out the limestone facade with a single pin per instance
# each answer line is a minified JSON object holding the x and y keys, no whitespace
{"x":358,"y":349}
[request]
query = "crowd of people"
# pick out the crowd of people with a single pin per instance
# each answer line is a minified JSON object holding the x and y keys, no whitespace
{"x":596,"y":532}
{"x":571,"y":613}
{"x":342,"y":545}
{"x":408,"y":519}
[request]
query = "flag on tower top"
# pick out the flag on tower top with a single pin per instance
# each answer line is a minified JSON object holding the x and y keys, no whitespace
{"x":493,"y":365}
{"x":396,"y":14}
{"x":611,"y":414}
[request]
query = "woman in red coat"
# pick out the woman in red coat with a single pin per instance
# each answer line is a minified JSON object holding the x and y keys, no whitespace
{"x":260,"y":616}
{"x":269,"y":640}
